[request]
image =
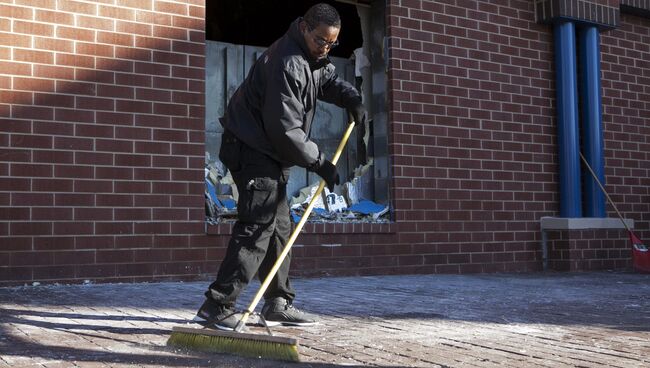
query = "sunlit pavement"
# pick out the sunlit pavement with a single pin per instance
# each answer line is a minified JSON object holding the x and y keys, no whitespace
{"x":502,"y":320}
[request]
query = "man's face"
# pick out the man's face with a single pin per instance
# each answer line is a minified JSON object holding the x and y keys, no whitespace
{"x":320,"y":40}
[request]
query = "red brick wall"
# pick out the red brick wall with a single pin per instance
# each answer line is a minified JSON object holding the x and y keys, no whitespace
{"x":101,"y":144}
{"x":101,"y":139}
{"x":473,"y":136}
{"x":580,"y":250}
{"x":474,"y":147}
{"x":625,"y":66}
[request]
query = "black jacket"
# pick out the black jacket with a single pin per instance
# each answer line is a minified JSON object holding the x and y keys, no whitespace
{"x":273,"y":109}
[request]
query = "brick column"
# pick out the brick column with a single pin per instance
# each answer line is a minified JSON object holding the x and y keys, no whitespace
{"x":588,"y":250}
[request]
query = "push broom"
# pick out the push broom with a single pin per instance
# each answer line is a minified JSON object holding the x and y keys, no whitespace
{"x":640,"y":253}
{"x":247,"y":344}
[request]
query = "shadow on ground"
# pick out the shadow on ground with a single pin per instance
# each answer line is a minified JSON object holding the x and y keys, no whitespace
{"x":149,"y":353}
{"x":99,"y":314}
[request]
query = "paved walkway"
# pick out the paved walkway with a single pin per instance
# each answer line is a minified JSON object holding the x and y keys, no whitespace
{"x":513,"y":320}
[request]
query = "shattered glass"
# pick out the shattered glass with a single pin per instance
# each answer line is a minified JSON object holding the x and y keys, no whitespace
{"x":350,"y":206}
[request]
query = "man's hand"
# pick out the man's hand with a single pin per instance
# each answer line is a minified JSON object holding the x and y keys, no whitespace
{"x":359,"y":114}
{"x":327,"y":171}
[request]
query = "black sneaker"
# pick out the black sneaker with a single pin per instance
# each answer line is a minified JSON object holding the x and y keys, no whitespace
{"x":279,"y":311}
{"x":214,"y":315}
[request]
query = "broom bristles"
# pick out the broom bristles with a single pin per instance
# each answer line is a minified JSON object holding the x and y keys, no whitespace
{"x":244,"y":344}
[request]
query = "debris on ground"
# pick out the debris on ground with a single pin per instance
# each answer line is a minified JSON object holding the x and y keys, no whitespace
{"x":351,"y":206}
{"x":220,"y":195}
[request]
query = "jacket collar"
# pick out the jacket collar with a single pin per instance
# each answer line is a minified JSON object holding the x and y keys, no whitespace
{"x":296,"y":36}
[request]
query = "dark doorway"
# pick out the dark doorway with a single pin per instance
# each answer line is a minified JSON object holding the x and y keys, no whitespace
{"x":260,"y":22}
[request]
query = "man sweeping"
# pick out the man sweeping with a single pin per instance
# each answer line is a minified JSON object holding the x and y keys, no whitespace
{"x":266,"y":132}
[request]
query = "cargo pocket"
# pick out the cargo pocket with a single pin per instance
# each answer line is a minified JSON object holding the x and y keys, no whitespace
{"x":230,"y":151}
{"x":258,"y":202}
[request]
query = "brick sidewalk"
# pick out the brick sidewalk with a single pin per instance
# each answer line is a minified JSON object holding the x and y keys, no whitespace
{"x":513,"y":320}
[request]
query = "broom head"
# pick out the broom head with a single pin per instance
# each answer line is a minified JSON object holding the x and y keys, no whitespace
{"x":640,"y":255}
{"x":238,"y":343}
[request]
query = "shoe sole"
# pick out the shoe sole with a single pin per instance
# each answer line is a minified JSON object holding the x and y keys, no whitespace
{"x":205,"y":323}
{"x":294,"y":324}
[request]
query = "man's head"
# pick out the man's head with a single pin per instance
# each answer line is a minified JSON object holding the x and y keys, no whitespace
{"x":321,"y":26}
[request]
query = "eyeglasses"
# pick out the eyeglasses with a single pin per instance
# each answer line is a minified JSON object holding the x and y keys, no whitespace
{"x":321,"y":43}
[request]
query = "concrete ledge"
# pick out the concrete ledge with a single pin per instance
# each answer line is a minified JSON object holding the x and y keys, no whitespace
{"x":567,"y":223}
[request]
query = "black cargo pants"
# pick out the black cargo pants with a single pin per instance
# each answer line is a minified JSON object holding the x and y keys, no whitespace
{"x":263,"y":226}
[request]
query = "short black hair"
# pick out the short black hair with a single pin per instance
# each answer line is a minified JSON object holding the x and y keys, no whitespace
{"x":322,"y":13}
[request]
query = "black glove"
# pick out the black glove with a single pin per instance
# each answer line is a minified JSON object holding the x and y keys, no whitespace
{"x":326,"y":170}
{"x":359,"y":114}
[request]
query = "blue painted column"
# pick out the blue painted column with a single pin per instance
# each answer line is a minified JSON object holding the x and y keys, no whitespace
{"x":567,"y":119}
{"x":592,"y":133}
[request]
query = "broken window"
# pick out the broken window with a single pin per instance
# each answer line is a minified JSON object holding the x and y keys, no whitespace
{"x":237,"y":33}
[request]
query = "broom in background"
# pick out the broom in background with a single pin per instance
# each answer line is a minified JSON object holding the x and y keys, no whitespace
{"x":246,"y":344}
{"x":640,"y":253}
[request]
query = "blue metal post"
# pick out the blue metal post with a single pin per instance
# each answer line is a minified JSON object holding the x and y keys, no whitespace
{"x":567,"y":119}
{"x":592,"y":134}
